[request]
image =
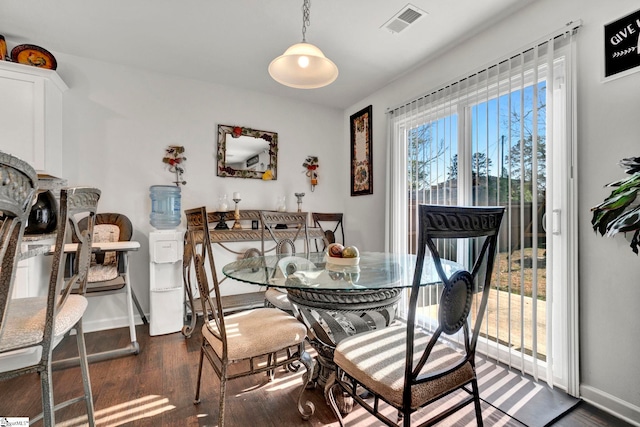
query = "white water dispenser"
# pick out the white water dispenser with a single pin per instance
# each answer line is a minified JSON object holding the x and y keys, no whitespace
{"x":165,"y":277}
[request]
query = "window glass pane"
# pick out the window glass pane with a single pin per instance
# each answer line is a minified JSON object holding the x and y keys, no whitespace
{"x":507,"y":167}
{"x":431,"y":148}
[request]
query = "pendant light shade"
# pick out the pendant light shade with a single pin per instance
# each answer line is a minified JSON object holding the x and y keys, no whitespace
{"x":303,"y":65}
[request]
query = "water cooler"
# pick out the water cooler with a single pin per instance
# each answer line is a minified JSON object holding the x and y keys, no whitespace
{"x":166,"y":292}
{"x":165,"y":274}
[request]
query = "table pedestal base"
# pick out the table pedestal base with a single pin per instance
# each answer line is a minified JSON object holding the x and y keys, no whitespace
{"x":333,"y":316}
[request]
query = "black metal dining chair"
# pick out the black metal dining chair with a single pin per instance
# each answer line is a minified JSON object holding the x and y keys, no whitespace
{"x":270,"y":223}
{"x":254,"y":341}
{"x":408,"y":368}
{"x":331,"y":226}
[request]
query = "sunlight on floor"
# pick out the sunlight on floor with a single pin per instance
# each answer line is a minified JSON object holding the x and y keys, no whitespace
{"x":518,"y":389}
{"x":284,"y":383}
{"x":124,"y":413}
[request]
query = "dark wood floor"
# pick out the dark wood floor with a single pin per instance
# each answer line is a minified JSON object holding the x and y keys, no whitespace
{"x":156,"y":388}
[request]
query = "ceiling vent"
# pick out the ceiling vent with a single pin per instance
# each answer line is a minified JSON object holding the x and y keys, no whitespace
{"x":401,"y":20}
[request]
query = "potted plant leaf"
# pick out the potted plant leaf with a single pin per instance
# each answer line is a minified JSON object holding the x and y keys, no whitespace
{"x":620,"y":212}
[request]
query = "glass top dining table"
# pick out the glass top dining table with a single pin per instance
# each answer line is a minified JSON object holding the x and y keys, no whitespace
{"x":316,"y":271}
{"x":336,"y":301}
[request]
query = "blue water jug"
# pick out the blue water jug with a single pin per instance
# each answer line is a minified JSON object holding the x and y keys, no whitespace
{"x":165,"y":206}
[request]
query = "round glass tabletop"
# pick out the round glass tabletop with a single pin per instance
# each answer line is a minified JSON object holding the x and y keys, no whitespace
{"x":374,"y":270}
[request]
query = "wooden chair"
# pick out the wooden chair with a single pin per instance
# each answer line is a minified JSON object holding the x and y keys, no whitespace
{"x":253,"y":341}
{"x":271,"y":223}
{"x":408,"y":368}
{"x":32,"y":327}
{"x":329,"y":223}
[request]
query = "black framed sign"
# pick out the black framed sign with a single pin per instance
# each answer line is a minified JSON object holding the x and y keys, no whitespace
{"x":622,"y":46}
{"x":361,"y":159}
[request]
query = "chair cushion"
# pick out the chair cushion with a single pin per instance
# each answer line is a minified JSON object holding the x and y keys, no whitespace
{"x":278,"y":299}
{"x":377,"y":360}
{"x":106,"y":233}
{"x":104,"y":266}
{"x":26,"y":318}
{"x":256,"y":332}
{"x":102,"y":273}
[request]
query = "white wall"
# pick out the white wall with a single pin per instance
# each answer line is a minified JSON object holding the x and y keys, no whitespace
{"x":118,"y":122}
{"x":608,"y":130}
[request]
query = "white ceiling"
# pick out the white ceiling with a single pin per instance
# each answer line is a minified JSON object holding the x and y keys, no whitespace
{"x":232,"y":42}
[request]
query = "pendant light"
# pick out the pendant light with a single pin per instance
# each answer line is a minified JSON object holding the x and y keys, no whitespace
{"x":303,"y":65}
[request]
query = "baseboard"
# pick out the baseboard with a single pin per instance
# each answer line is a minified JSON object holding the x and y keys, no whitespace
{"x":611,"y":404}
{"x":111,"y":323}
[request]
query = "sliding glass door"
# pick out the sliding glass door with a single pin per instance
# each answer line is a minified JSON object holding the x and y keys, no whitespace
{"x":499,"y":137}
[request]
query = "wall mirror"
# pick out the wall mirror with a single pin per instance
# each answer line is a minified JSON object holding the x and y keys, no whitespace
{"x":247,"y":153}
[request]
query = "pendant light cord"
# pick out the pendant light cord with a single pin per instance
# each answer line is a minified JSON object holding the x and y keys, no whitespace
{"x":305,"y":19}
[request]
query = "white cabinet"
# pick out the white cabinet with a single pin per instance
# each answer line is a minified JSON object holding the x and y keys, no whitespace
{"x":165,"y":276}
{"x":31,"y":115}
{"x":32,"y":274}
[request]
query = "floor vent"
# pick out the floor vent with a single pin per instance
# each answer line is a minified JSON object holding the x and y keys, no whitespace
{"x":401,"y":20}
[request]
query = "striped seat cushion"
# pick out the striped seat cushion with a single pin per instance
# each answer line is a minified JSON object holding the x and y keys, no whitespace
{"x":377,"y":360}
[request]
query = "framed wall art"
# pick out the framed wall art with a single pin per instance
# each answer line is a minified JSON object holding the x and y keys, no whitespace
{"x":622,"y":46}
{"x":361,"y":158}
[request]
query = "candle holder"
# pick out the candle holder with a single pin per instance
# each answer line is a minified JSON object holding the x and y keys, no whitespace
{"x":222,"y":223}
{"x":281,"y":204}
{"x":299,"y":196}
{"x":236,"y":215}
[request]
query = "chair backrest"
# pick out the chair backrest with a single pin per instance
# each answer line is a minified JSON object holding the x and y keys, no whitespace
{"x":329,"y":223}
{"x":18,"y":188}
{"x":272,"y":222}
{"x":480,"y":226}
{"x":199,"y":241}
{"x":76,"y":203}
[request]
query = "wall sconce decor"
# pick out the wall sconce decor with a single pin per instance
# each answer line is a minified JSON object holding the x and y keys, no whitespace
{"x":311,"y":165}
{"x":174,"y":157}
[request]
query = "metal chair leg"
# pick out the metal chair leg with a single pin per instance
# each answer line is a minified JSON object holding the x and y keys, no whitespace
{"x":476,"y":402}
{"x":48,"y":408}
{"x":84,"y":367}
{"x":199,"y":380}
{"x":223,"y":392}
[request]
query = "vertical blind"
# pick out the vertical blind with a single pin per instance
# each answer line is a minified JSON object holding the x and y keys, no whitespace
{"x":487,"y":139}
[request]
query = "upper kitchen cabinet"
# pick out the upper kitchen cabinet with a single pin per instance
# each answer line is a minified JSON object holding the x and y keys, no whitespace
{"x":31,"y":115}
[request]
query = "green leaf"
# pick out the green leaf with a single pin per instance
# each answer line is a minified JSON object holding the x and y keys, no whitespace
{"x":626,"y":183}
{"x":617,"y":201}
{"x":629,"y":221}
{"x":618,"y":212}
{"x":601,"y":219}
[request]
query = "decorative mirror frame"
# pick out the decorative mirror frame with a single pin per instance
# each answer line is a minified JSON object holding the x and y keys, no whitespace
{"x":237,"y":131}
